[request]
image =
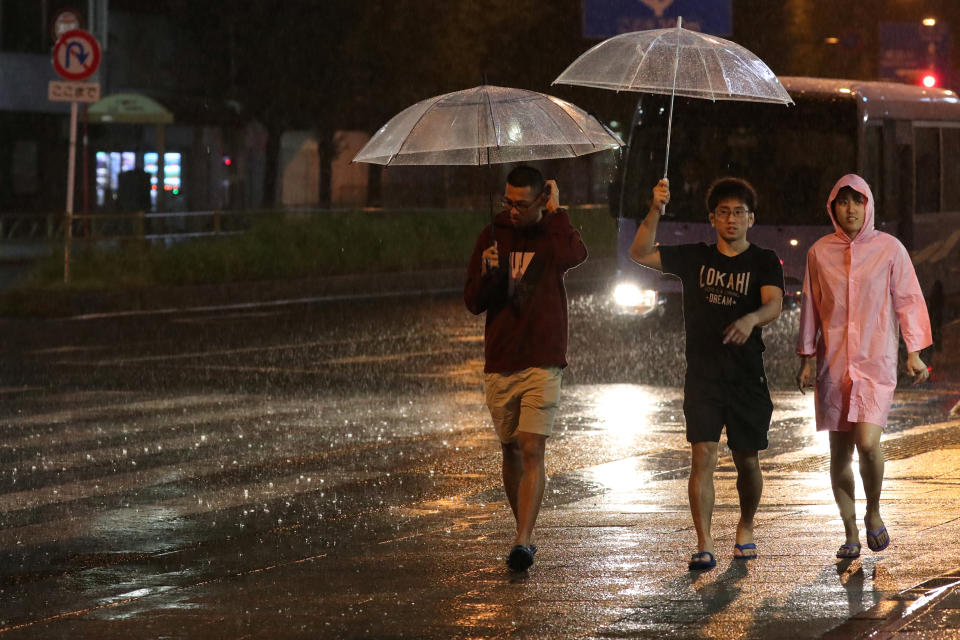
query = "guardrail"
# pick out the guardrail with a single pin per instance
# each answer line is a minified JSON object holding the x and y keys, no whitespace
{"x":150,"y":227}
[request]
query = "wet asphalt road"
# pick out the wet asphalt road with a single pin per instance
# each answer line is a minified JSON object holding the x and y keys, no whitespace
{"x":146,"y":457}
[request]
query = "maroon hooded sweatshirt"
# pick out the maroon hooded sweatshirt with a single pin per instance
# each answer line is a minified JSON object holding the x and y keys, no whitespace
{"x":524,"y":298}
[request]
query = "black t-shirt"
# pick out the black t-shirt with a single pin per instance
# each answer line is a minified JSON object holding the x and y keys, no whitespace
{"x":717,"y":290}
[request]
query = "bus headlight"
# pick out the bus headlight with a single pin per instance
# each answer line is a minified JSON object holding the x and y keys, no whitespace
{"x":630,"y":295}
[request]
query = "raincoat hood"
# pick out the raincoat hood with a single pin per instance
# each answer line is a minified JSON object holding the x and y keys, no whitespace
{"x":859,"y":185}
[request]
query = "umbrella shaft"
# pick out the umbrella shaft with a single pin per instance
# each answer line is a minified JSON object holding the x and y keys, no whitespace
{"x":676,"y":69}
{"x":666,"y":160}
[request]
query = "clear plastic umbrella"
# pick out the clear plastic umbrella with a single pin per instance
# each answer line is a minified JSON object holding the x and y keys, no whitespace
{"x":676,"y":62}
{"x":487,"y":125}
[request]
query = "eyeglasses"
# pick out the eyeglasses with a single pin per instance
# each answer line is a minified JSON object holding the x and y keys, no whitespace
{"x":738,"y":213}
{"x":509,"y":204}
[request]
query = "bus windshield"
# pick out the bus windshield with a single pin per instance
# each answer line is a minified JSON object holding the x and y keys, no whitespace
{"x":792,"y":155}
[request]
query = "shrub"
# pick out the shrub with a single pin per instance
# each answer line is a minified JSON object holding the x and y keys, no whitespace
{"x":299,"y":245}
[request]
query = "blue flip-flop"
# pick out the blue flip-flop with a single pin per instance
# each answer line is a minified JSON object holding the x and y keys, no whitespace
{"x":701,"y":561}
{"x":873,"y":538}
{"x":745,"y":547}
{"x":520,"y":557}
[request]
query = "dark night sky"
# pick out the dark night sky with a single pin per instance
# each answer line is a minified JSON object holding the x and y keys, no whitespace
{"x":353,"y":63}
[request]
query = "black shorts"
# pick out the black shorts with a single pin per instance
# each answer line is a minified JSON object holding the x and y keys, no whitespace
{"x":743,"y":406}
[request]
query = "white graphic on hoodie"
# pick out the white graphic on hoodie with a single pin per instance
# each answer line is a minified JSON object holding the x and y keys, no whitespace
{"x":519,"y":261}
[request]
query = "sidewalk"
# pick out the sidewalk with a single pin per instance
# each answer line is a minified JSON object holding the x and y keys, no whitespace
{"x":612,"y":565}
{"x":796,"y":589}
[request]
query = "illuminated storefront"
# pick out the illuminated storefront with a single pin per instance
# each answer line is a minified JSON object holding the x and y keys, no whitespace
{"x":113,"y":164}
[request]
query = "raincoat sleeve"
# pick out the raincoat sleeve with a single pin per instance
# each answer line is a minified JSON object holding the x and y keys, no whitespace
{"x":479,"y":290}
{"x":908,"y":302}
{"x":567,"y":243}
{"x":809,"y":310}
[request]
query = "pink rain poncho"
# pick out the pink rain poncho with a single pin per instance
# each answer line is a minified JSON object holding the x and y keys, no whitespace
{"x":856,"y":295}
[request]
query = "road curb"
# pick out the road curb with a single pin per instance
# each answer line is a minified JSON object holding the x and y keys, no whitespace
{"x":892,"y":614}
{"x":60,"y":303}
{"x":65,"y":303}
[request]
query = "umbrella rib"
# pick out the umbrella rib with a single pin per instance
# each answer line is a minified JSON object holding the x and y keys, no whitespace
{"x":645,"y":52}
{"x":743,"y":63}
{"x":493,"y":124}
{"x":559,"y":128}
{"x":636,"y":71}
{"x":703,"y":60}
{"x":479,"y":119}
{"x":415,"y":124}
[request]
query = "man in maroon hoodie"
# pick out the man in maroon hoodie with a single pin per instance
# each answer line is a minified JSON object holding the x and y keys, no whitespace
{"x":516,"y":277}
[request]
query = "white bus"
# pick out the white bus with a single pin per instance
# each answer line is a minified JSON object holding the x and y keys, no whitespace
{"x":904,"y":140}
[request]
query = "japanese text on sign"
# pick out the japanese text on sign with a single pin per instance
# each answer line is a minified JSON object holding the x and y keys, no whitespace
{"x":73,"y":91}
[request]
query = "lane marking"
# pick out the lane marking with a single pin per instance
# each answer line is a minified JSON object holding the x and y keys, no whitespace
{"x":344,"y":297}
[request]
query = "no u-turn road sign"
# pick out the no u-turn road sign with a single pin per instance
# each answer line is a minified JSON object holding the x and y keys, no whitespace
{"x":76,"y":56}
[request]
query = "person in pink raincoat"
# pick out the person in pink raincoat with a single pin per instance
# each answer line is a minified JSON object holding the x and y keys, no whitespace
{"x":859,"y":292}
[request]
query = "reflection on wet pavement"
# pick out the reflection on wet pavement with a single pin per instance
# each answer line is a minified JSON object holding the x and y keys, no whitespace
{"x":311,"y":472}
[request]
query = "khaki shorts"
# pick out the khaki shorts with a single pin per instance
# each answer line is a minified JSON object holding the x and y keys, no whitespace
{"x":523,"y":401}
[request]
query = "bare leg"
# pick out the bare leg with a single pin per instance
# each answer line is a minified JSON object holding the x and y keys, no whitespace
{"x":532,"y":480}
{"x":701,"y":492}
{"x":870,"y":453}
{"x":841,"y":478}
{"x":749,"y":488}
{"x":512,"y":472}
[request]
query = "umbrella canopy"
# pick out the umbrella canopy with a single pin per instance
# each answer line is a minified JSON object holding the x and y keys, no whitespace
{"x":676,"y":61}
{"x":487,"y":125}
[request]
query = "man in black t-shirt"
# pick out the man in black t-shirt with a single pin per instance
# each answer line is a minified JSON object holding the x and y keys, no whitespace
{"x":730,"y":290}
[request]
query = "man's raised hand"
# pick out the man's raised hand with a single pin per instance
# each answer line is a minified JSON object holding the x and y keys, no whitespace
{"x":552,"y":192}
{"x":661,"y":195}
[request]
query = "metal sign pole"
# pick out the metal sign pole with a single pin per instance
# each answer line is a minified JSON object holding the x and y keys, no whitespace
{"x":76,"y":56}
{"x":71,"y":170}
